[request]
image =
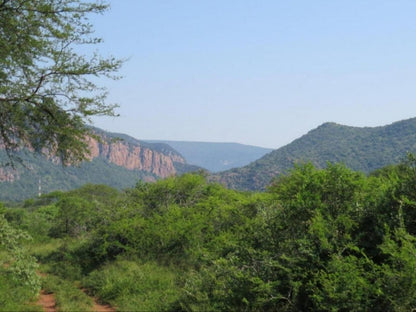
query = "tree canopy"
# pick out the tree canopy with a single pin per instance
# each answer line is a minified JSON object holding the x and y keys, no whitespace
{"x":48,"y":89}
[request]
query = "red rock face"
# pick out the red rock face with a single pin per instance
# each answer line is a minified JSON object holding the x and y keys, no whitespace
{"x":8,"y":175}
{"x":134,"y":157}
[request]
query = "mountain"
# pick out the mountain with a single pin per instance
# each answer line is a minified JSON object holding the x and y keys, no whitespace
{"x":364,"y":149}
{"x":217,"y":157}
{"x":117,"y":160}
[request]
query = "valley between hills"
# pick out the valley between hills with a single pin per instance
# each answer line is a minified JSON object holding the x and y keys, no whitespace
{"x":120,"y":161}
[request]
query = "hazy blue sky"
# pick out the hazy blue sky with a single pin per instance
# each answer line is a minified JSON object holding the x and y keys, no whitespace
{"x":258,"y":72}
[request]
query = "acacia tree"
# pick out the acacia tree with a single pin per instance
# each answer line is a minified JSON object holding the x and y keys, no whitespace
{"x":47,"y":88}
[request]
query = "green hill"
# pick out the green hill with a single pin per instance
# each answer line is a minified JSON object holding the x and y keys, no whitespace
{"x":364,"y":149}
{"x":217,"y":157}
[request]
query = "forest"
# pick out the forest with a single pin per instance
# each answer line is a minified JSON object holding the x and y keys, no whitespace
{"x":329,"y":239}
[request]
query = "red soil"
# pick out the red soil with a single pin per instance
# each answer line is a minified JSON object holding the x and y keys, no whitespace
{"x":102,"y":308}
{"x":47,"y":302}
{"x":97,"y":307}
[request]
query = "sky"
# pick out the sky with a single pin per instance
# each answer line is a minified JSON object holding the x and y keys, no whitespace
{"x":257,"y":72}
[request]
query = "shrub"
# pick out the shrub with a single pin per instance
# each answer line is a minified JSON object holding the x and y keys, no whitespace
{"x":133,"y":286}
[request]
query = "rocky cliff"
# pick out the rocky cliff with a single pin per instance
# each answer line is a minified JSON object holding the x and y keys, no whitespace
{"x":116,"y":160}
{"x":130,"y":154}
{"x":135,"y":156}
{"x":8,"y":175}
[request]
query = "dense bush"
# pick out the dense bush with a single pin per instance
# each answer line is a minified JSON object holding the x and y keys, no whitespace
{"x":18,"y":280}
{"x":318,"y":240}
{"x":14,"y":295}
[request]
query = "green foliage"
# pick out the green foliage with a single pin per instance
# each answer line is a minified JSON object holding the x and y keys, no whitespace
{"x":362,"y":149}
{"x":131,"y":286}
{"x":156,"y":197}
{"x":15,"y":296}
{"x":319,"y":240}
{"x":19,"y":263}
{"x":37,"y":223}
{"x":169,"y":220}
{"x":346,"y":284}
{"x":397,"y":274}
{"x":46,"y":91}
{"x":306,"y":254}
{"x":68,"y":297}
{"x":73,"y":216}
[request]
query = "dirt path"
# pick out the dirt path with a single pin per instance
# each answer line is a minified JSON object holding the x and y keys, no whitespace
{"x":97,"y":307}
{"x":102,"y":308}
{"x":47,"y":302}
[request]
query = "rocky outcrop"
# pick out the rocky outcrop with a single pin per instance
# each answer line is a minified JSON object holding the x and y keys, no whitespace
{"x":134,"y":156}
{"x":150,"y":160}
{"x":117,"y":160}
{"x":8,"y":175}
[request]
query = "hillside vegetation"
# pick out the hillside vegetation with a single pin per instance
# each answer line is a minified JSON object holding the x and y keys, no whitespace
{"x":328,"y":239}
{"x":361,"y":149}
{"x":112,"y":164}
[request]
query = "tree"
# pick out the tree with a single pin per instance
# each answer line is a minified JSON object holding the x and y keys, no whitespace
{"x":73,"y":217}
{"x":21,"y":264}
{"x":47,"y":91}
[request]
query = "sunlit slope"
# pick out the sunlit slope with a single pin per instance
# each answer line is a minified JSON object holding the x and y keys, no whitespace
{"x":360,"y":148}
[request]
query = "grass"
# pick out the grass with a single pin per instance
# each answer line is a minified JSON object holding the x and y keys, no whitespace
{"x":43,"y":249}
{"x":15,"y":296}
{"x":68,"y":297}
{"x":62,"y":275}
{"x":132,"y":286}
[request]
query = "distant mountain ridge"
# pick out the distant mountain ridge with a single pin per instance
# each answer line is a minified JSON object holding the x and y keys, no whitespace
{"x":215,"y":156}
{"x":360,"y":148}
{"x":117,"y":160}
